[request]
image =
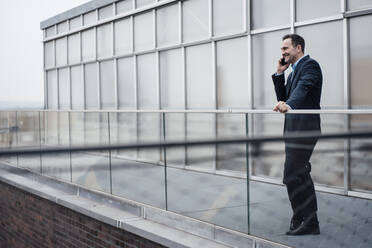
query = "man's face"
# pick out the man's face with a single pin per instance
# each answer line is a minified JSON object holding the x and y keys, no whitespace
{"x":290,"y":53}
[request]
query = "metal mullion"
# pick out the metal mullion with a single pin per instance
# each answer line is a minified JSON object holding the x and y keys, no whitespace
{"x":96,"y":43}
{"x":245,"y":16}
{"x":70,"y":84}
{"x":271,"y":29}
{"x":99,"y":85}
{"x":54,"y":54}
{"x":159,"y":93}
{"x":184,"y":79}
{"x":136,"y":98}
{"x":180,"y":22}
{"x":215,"y":94}
{"x":132,"y":33}
{"x":116,"y":89}
{"x":210,"y":13}
{"x":154,"y":28}
{"x":347,"y":100}
{"x":355,"y":13}
{"x":319,"y":20}
{"x":293,"y":15}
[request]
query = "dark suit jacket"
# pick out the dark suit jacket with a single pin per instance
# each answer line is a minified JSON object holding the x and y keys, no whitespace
{"x":302,"y":91}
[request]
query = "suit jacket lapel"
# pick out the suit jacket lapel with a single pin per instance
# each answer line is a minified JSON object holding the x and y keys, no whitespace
{"x":295,"y":74}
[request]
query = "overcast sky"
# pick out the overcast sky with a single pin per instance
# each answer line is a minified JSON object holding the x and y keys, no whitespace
{"x":21,"y":50}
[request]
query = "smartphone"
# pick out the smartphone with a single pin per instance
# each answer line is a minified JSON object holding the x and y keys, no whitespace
{"x":282,"y":61}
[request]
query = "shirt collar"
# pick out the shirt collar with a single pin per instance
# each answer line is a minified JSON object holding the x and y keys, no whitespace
{"x":295,"y":64}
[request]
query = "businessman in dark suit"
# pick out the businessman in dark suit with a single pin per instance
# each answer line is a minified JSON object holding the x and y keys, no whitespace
{"x":302,"y":91}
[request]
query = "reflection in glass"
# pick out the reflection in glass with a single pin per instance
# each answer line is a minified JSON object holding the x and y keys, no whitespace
{"x":167,"y":25}
{"x":175,"y":125}
{"x":104,"y":41}
{"x":195,"y":20}
{"x":228,"y":17}
{"x":149,"y":131}
{"x":88,"y":45}
{"x":52,"y":89}
{"x":123,"y":36}
{"x":49,"y":54}
{"x":143,"y":31}
{"x":8,"y":139}
{"x":74,"y":55}
{"x":107,"y":84}
{"x":77,"y":87}
{"x":269,"y":13}
{"x":306,"y":10}
{"x":91,"y":86}
{"x":126,"y":85}
{"x":64,"y":88}
{"x":148,"y":93}
{"x":61,"y":51}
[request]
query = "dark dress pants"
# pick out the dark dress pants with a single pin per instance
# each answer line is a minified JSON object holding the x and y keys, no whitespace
{"x":297,"y":178}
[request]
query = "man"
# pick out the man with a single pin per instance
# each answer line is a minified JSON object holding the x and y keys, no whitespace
{"x":302,"y":91}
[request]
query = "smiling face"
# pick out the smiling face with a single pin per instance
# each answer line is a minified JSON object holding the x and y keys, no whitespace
{"x":290,"y":53}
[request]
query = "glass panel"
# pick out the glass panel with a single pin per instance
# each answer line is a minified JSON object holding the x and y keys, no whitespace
{"x":49,"y":54}
{"x":52,"y":89}
{"x":90,"y":169}
{"x":228,"y":16}
{"x":104,"y":41}
{"x":123,"y":36}
{"x":358,"y":4}
{"x":61,"y":51}
{"x":141,"y":3}
{"x":107,"y":82}
{"x":175,"y":130}
{"x":8,"y":139}
{"x":62,"y":27}
{"x":143,"y":31}
{"x":51,"y":31}
{"x":201,"y":126}
{"x":77,"y":87}
{"x":126,"y":84}
{"x":91,"y":86}
{"x":105,"y":12}
{"x":90,"y":18}
{"x":74,"y":48}
{"x":361,"y":158}
{"x":124,"y":6}
{"x":231,"y":157}
{"x":232,"y":74}
{"x":147,"y":83}
{"x":136,"y":180}
{"x":266,"y":52}
{"x":149,"y":131}
{"x":269,"y":13}
{"x":171,"y":79}
{"x":219,"y":200}
{"x":64,"y":88}
{"x":195,"y":20}
{"x":88,"y":44}
{"x":75,"y":22}
{"x":124,"y":131}
{"x":28,"y":135}
{"x":360,"y":60}
{"x":57,"y":164}
{"x":167,"y":25}
{"x":330,"y":59}
{"x":199,"y":80}
{"x":306,"y":10}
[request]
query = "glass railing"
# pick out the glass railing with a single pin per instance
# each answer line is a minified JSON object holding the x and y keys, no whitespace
{"x":207,"y":182}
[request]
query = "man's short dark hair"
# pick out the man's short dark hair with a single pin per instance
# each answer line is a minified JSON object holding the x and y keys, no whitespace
{"x":296,"y":40}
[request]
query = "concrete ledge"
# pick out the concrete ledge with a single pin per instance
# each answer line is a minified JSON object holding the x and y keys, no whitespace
{"x":164,"y":227}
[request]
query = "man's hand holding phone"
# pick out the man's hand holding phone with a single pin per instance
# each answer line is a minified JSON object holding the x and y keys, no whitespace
{"x":282,"y":65}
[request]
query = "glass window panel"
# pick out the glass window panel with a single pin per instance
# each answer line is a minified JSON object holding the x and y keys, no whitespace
{"x":124,"y":6}
{"x":171,"y":79}
{"x":149,"y":131}
{"x":49,"y":54}
{"x":361,"y":160}
{"x":75,"y":22}
{"x":105,"y":12}
{"x":269,"y":13}
{"x":228,"y":16}
{"x":360,"y":60}
{"x":123,"y":36}
{"x":64,"y":88}
{"x":74,"y":48}
{"x":266,"y":52}
{"x":90,"y":18}
{"x":126,"y":85}
{"x":201,"y":126}
{"x":124,"y":131}
{"x":62,"y":27}
{"x":358,"y":4}
{"x":104,"y":40}
{"x":141,"y":3}
{"x":143,"y":31}
{"x":107,"y":82}
{"x":51,"y":31}
{"x":147,"y":83}
{"x":199,"y":77}
{"x":306,"y":10}
{"x":232,"y":74}
{"x":61,"y":51}
{"x":88,"y":45}
{"x":233,"y":156}
{"x":195,"y":20}
{"x":330,"y":59}
{"x":167,"y":25}
{"x":52,"y":89}
{"x":77,"y":87}
{"x":175,"y":131}
{"x":91,"y":86}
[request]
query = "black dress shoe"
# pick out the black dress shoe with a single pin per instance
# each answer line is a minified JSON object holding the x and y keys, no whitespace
{"x":309,"y":225}
{"x":295,"y":223}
